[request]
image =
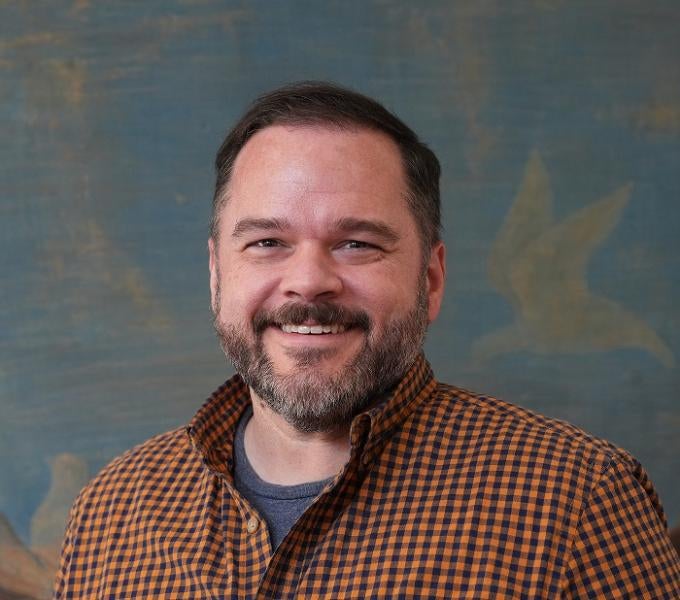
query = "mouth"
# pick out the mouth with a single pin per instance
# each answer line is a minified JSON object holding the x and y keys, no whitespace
{"x":321,"y":321}
{"x":312,"y":329}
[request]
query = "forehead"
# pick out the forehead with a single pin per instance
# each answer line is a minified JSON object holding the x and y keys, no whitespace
{"x":318,"y":169}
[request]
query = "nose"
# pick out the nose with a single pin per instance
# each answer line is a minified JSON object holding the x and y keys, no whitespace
{"x":311,"y":274}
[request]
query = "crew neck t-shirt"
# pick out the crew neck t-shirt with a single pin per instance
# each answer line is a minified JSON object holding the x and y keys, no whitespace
{"x":280,"y":505}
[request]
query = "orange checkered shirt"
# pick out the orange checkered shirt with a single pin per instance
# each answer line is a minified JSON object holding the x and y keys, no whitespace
{"x":446,"y":495}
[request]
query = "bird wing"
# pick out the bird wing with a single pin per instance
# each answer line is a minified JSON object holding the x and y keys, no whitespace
{"x":528,"y":218}
{"x":554,"y":265}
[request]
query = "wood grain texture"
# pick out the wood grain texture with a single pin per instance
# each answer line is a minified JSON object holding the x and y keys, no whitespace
{"x":110,"y":114}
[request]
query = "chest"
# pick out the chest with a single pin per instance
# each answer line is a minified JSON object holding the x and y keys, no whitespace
{"x":421,"y":534}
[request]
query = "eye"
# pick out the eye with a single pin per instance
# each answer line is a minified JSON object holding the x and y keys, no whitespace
{"x":357,"y":245}
{"x":266,"y":243}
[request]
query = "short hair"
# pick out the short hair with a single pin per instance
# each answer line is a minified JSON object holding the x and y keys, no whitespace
{"x":329,"y":105}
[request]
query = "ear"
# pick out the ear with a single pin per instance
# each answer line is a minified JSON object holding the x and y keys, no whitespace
{"x":436,"y":277}
{"x":214,"y":273}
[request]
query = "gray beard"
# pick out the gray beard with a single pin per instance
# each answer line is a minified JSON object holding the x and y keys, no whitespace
{"x":313,"y":402}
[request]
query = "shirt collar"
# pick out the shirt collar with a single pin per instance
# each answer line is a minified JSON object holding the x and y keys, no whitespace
{"x":213,"y":428}
{"x":371,"y":429}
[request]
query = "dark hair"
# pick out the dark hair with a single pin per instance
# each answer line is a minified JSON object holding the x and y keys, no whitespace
{"x":327,"y":104}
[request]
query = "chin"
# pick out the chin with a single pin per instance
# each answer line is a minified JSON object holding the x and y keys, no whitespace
{"x":328,"y":360}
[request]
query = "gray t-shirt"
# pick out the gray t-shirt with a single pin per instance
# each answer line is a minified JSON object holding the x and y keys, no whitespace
{"x":280,"y":505}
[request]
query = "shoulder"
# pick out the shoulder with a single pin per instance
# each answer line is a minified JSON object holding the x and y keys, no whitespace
{"x":140,"y":499}
{"x":500,"y":428}
{"x":157,"y":453}
{"x":144,"y":468}
{"x":519,"y":453}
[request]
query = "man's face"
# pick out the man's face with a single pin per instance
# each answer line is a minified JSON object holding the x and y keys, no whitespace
{"x":319,"y":288}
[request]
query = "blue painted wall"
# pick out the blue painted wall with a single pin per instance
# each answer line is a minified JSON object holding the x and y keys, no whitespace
{"x":558,"y":127}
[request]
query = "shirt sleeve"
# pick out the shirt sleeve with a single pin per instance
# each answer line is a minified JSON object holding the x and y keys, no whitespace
{"x":622,"y":548}
{"x":64,"y":573}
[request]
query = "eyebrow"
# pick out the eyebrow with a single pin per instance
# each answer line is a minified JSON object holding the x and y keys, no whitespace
{"x":344,"y":225}
{"x":249,"y":224}
{"x":379,"y":228}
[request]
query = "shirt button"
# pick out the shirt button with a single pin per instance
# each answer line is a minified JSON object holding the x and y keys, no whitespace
{"x":252,"y":525}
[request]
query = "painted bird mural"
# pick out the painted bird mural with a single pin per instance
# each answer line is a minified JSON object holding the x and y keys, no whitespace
{"x":539,"y":266}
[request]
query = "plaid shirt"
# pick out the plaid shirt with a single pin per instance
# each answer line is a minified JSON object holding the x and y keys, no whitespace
{"x":446,"y":495}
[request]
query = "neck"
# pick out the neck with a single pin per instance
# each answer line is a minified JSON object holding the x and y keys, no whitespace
{"x":281,"y":454}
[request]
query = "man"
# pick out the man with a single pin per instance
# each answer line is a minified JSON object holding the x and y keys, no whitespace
{"x":334,"y":465}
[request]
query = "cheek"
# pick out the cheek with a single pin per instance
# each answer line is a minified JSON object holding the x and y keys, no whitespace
{"x":242,"y":294}
{"x":385,"y":299}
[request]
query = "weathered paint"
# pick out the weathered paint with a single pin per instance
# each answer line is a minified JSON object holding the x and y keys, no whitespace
{"x":110,"y":114}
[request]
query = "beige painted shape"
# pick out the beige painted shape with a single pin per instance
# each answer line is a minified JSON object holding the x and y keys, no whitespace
{"x":34,"y":38}
{"x":80,"y":250}
{"x":659,"y":118}
{"x":69,"y":473}
{"x":88,"y":254}
{"x":552,"y":268}
{"x":71,"y":77}
{"x":468,"y":52}
{"x":30,"y":572}
{"x":529,"y":216}
{"x":22,"y":574}
{"x":541,"y":269}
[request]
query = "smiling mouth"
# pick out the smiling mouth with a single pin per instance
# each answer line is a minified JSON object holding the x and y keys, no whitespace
{"x":312,"y":329}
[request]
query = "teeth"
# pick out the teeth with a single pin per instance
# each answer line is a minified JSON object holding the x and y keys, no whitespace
{"x":312,"y":329}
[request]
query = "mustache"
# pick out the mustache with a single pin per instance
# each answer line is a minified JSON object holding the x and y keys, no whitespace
{"x":323,"y":313}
